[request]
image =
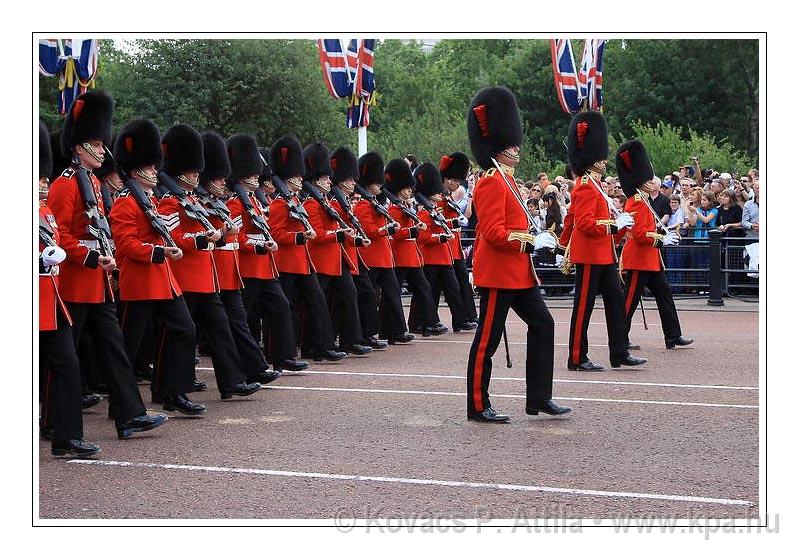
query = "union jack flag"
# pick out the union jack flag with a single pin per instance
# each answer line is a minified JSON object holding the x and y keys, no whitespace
{"x":584,"y":89}
{"x":335,"y":72}
{"x":349,"y":73}
{"x":565,"y":76}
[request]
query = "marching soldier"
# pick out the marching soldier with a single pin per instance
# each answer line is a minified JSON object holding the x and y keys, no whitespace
{"x":454,"y":169}
{"x":85,"y":275}
{"x":297,"y":272}
{"x":147,"y":284}
{"x":641,"y":261}
{"x":196,"y":272}
{"x":503,"y":269}
{"x":61,"y":391}
{"x":259,"y":272}
{"x":590,"y":237}
{"x":436,"y":246}
{"x":379,"y":226}
{"x":345,"y":174}
{"x":327,"y":250}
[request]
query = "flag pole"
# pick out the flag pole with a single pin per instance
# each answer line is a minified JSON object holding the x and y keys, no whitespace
{"x":362,"y":140}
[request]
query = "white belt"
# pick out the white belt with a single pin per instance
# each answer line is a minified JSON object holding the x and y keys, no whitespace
{"x":256,"y":237}
{"x":52,"y":272}
{"x":229,"y":247}
{"x":89,"y":244}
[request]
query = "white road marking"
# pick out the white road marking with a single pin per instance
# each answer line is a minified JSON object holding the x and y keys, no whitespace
{"x":510,"y":343}
{"x":451,"y":394}
{"x":419,"y":481}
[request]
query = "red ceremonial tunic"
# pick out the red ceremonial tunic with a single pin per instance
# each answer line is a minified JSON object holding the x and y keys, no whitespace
{"x":499,"y":260}
{"x":435,"y":249}
{"x":452,"y":222}
{"x":641,"y":250}
{"x":49,"y":298}
{"x":379,"y":253}
{"x":139,"y":277}
{"x":350,"y":248}
{"x":292,"y":256}
{"x":251,"y":263}
{"x":404,"y":241}
{"x":78,"y":283}
{"x":326,"y":251}
{"x":592,"y":231}
{"x":226,"y":259}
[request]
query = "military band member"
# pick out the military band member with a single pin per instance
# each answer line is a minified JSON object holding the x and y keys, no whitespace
{"x":345,"y":174}
{"x":592,"y":246}
{"x":332,"y":262}
{"x":641,"y":263}
{"x":297,"y":272}
{"x":147,"y":284}
{"x":61,"y":417}
{"x":85,"y":275}
{"x":378,"y":255}
{"x":197,"y":272}
{"x":259,"y":271}
{"x":503,"y":269}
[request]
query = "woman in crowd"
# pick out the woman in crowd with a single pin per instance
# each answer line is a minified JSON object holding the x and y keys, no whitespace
{"x":729,"y":219}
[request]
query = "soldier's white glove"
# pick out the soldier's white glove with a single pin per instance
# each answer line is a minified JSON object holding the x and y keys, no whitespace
{"x":559,"y":259}
{"x":52,"y":256}
{"x":671,"y":238}
{"x":624,"y":220}
{"x":544,"y":241}
{"x":463,"y":221}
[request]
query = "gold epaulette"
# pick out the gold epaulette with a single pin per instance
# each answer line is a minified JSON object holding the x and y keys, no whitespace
{"x":656,"y":237}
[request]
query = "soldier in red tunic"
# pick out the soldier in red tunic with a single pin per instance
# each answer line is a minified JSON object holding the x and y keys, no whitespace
{"x":641,"y":263}
{"x":85,"y":276}
{"x":61,"y":386}
{"x":298,"y":276}
{"x":590,"y":235}
{"x":378,"y":255}
{"x":197,"y":272}
{"x":345,"y":174}
{"x":147,"y":285}
{"x":503,"y":268}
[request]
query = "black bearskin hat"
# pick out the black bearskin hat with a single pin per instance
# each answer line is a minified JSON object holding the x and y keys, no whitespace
{"x":429,"y":180}
{"x":108,"y":163}
{"x":244,"y":156}
{"x":266,"y":173}
{"x":397,"y":176}
{"x":493,"y":124}
{"x":60,"y":163}
{"x":587,"y":141}
{"x":138,"y":144}
{"x":370,"y":169}
{"x":317,"y":158}
{"x":286,"y":158}
{"x":455,"y":166}
{"x":344,"y":165}
{"x":89,"y":118}
{"x":45,"y":152}
{"x":183,"y":150}
{"x":215,"y":156}
{"x":633,"y":166}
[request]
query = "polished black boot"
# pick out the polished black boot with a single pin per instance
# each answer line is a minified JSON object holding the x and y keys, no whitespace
{"x":401,"y":338}
{"x":357,"y":349}
{"x":198,"y":386}
{"x":467,"y":326}
{"x":375,"y":343}
{"x":183,"y":405}
{"x":240,"y":390}
{"x":489,"y":415}
{"x":74,"y":448}
{"x":588,"y":365}
{"x":143,"y":423}
{"x":680,"y":341}
{"x":434,"y":331}
{"x":330,"y":356}
{"x":291,"y":365}
{"x":547,"y":407}
{"x":263,"y":377}
{"x":89,"y":400}
{"x":628,"y":361}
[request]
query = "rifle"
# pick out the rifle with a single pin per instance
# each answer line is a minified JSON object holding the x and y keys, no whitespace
{"x":296,"y":211}
{"x":435,"y":213}
{"x":394,"y":199}
{"x":314,"y":193}
{"x":261,"y":197}
{"x":98,"y":225}
{"x":377,"y":206}
{"x":214,"y":206}
{"x":337,"y":194}
{"x":257,"y":219}
{"x":192,"y":209}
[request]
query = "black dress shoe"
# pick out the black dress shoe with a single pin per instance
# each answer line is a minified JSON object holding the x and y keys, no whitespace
{"x":90,"y":400}
{"x":263,"y":377}
{"x":183,"y":405}
{"x":375,"y":343}
{"x":489,"y":415}
{"x":401,"y":338}
{"x":143,"y":423}
{"x":468,"y":326}
{"x":629,"y":361}
{"x":434,"y":331}
{"x":240,"y":390}
{"x":634,"y":346}
{"x":588,"y":365}
{"x":291,"y":365}
{"x":330,"y":355}
{"x":548,"y":407}
{"x":198,"y":386}
{"x":357,"y":349}
{"x":416,"y":330}
{"x":680,"y":341}
{"x":46,"y":433}
{"x":74,"y":448}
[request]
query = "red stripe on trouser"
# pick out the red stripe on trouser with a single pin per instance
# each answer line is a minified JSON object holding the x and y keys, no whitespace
{"x":632,"y":285}
{"x":477,"y":382}
{"x":576,"y":342}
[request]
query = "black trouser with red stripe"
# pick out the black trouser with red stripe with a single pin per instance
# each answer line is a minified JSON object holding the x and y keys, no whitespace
{"x":422,"y":312}
{"x":209,"y":315}
{"x":266,"y":298}
{"x":317,"y":328}
{"x":392,"y":320}
{"x":656,"y":281}
{"x":442,"y":278}
{"x":100,"y":319}
{"x":589,"y":280}
{"x":175,"y":341}
{"x":342,"y":298}
{"x":250,"y":355}
{"x":367,"y":302}
{"x":61,"y":390}
{"x":530,"y":307}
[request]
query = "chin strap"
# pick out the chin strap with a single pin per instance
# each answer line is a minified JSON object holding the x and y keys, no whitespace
{"x":149,"y":179}
{"x":249,"y":182}
{"x":92,"y":152}
{"x":188,"y":181}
